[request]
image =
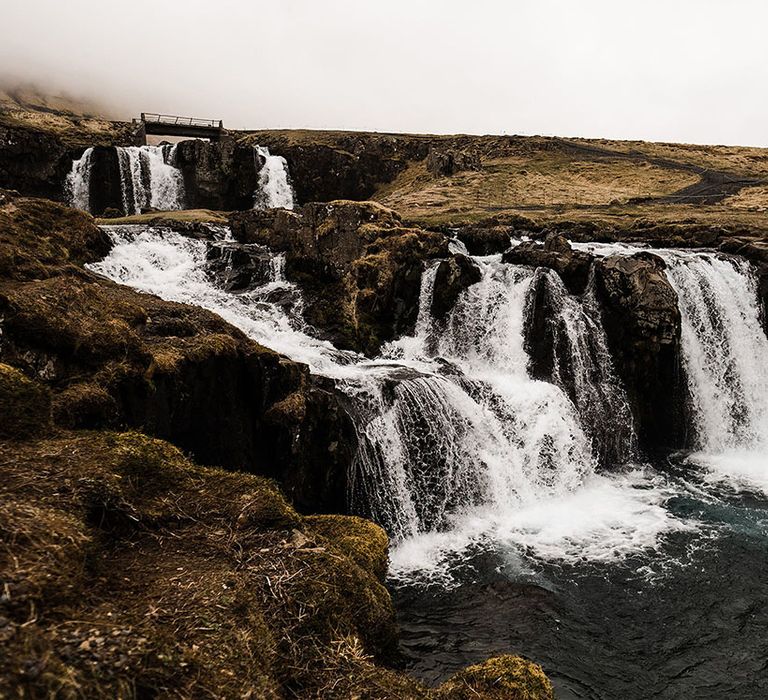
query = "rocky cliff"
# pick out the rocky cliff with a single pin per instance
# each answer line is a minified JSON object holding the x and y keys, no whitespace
{"x":116,"y":358}
{"x":358,"y":264}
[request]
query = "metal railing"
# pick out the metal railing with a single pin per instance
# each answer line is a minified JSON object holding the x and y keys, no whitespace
{"x":173,"y":120}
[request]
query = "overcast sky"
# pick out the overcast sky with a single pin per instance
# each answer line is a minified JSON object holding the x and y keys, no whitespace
{"x":672,"y":70}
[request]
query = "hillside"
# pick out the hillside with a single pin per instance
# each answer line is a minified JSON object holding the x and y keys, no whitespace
{"x":547,"y":178}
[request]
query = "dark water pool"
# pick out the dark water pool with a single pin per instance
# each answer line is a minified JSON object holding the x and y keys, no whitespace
{"x":688,"y":620}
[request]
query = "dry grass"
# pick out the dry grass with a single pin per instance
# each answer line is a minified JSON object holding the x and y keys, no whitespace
{"x":750,"y":198}
{"x":205,"y":216}
{"x":548,"y":179}
{"x":739,"y":160}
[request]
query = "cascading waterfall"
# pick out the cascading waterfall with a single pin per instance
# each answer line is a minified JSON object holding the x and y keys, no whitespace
{"x":275,"y":189}
{"x":583,"y":367}
{"x":148,"y":179}
{"x":724,"y":353}
{"x":457,"y":444}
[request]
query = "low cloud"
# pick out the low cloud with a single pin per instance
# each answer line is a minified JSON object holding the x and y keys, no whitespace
{"x":690,"y":71}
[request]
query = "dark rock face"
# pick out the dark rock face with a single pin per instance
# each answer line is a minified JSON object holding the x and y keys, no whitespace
{"x":116,"y":358}
{"x":556,"y":253}
{"x":485,"y":240}
{"x":222,"y":175}
{"x":453,"y":276}
{"x":106,"y":190}
{"x":347,"y":167}
{"x":642,"y":323}
{"x":34,"y":162}
{"x":359,"y":267}
{"x":446,"y":162}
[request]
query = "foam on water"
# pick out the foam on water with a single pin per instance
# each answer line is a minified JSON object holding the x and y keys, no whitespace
{"x":608,"y":518}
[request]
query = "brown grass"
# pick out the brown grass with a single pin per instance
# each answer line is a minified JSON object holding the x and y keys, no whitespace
{"x":522,"y":182}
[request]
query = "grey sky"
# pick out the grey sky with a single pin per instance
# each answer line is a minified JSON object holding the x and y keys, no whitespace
{"x":674,"y":70}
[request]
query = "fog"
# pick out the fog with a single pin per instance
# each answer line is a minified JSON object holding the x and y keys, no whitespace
{"x":672,"y":70}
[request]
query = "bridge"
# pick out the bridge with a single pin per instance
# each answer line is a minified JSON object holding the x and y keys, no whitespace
{"x":170,"y":125}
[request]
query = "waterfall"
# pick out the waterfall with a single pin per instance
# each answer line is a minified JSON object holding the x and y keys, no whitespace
{"x":77,"y":185}
{"x":457,"y":444}
{"x":275,"y":189}
{"x":582,"y":365}
{"x":725,"y":352}
{"x":148,"y":179}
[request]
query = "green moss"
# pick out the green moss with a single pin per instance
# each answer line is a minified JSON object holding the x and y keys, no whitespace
{"x":362,"y":541}
{"x":500,"y":678}
{"x":25,"y":406}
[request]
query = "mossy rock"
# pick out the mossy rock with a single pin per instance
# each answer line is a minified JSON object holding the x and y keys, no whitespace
{"x":362,"y":541}
{"x":84,"y":405}
{"x":499,"y":678}
{"x":25,"y":406}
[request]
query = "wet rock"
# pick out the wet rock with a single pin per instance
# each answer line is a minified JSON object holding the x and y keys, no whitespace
{"x":237,"y":267}
{"x":446,"y":162}
{"x":556,"y":253}
{"x":453,"y":276}
{"x":358,"y":265}
{"x":642,"y":323}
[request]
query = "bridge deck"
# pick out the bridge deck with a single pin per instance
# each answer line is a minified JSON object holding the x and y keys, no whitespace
{"x":171,"y":125}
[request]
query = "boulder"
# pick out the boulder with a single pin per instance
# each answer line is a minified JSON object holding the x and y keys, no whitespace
{"x":499,"y":678}
{"x":237,"y":267}
{"x":642,"y":324}
{"x":452,"y":277}
{"x":446,"y":162}
{"x":556,"y":253}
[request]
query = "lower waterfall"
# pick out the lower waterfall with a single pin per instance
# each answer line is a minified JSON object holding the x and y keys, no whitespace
{"x":510,"y":532}
{"x":458,"y":445}
{"x":725,"y":355}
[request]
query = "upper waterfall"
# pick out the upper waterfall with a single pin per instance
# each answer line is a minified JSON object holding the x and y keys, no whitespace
{"x":148,"y":178}
{"x":275,"y":189}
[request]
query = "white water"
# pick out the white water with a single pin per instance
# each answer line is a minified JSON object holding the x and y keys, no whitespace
{"x":584,"y":367}
{"x":275,"y":190}
{"x":77,"y":185}
{"x":148,"y":179}
{"x":725,"y":354}
{"x":459,"y":446}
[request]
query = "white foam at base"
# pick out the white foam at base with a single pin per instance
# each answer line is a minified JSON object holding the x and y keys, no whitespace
{"x":608,"y":518}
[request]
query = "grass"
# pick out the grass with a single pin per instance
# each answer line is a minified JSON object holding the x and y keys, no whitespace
{"x":205,"y":216}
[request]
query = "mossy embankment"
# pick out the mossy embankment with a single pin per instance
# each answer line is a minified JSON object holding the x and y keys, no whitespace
{"x":115,"y":358}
